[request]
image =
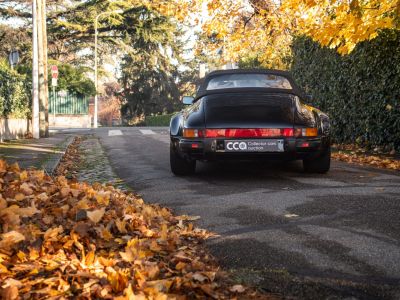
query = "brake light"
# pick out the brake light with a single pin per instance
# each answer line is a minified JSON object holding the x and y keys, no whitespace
{"x":193,"y":133}
{"x":287,"y":132}
{"x":246,"y":133}
{"x":250,"y":132}
{"x":214,"y":133}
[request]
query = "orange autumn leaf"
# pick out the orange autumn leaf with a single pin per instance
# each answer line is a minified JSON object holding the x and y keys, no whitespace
{"x":121,"y":224}
{"x":11,"y":238}
{"x":96,"y":215}
{"x":52,"y":233}
{"x":19,"y":197}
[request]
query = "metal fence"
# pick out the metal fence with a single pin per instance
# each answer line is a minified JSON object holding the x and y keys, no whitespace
{"x":62,"y":103}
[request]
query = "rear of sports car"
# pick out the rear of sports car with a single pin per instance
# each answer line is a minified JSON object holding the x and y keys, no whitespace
{"x":255,"y":126}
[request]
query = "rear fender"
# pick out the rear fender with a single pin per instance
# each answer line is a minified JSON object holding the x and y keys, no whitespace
{"x":175,"y":125}
{"x":191,"y":117}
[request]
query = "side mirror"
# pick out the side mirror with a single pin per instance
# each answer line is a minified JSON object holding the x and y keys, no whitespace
{"x":187,"y":100}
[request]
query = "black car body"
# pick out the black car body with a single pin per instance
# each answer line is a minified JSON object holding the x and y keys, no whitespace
{"x":247,"y":115}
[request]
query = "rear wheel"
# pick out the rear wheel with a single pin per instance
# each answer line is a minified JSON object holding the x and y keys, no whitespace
{"x":180,"y":166}
{"x":320,"y":164}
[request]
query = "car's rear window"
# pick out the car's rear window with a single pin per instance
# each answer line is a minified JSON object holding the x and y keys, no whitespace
{"x":231,"y":81}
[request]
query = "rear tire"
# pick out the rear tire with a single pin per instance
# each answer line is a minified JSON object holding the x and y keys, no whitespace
{"x":181,"y":166}
{"x":320,"y":164}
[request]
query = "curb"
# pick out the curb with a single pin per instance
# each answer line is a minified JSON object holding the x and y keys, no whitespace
{"x":52,"y":162}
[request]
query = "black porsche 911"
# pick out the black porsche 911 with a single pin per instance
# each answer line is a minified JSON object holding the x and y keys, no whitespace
{"x":249,"y":115}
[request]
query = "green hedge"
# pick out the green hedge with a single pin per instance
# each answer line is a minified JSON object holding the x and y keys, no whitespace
{"x":161,"y":120}
{"x":14,"y":93}
{"x":360,"y":91}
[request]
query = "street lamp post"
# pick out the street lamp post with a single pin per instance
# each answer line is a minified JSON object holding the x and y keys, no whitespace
{"x":35,"y":74}
{"x":96,"y":21}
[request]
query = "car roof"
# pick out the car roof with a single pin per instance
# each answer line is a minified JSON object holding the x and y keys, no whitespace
{"x":249,"y":71}
{"x":203,"y":87}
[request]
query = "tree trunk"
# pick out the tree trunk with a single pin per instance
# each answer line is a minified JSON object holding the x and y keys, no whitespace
{"x":42,"y":50}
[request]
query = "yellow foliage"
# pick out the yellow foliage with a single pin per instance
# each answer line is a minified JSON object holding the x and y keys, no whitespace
{"x":264,"y":29}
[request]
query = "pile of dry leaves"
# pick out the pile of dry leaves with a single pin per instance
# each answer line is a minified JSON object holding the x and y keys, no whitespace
{"x":69,"y":164}
{"x":66,"y":239}
{"x":367,"y":159}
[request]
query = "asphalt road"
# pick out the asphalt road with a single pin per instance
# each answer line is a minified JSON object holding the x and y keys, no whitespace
{"x":334,"y":236}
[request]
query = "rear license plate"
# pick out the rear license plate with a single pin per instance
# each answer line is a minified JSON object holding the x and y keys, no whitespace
{"x":270,"y":145}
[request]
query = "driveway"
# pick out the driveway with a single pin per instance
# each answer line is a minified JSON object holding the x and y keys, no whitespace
{"x":304,"y":236}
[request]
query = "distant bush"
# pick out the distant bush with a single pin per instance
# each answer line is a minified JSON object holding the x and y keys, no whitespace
{"x":161,"y":120}
{"x":73,"y":79}
{"x":360,"y":91}
{"x":14,"y":93}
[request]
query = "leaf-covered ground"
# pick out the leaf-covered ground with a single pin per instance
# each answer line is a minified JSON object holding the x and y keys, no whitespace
{"x":355,"y":155}
{"x":64,"y":239}
{"x":69,"y":164}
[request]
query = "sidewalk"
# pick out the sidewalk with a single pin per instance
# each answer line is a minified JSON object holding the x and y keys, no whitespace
{"x":44,"y":153}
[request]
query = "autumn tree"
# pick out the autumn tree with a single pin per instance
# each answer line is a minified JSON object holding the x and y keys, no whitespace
{"x":264,"y":29}
{"x":343,"y":24}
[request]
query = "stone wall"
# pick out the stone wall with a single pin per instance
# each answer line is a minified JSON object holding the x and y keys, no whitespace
{"x":70,"y":121}
{"x":11,"y":129}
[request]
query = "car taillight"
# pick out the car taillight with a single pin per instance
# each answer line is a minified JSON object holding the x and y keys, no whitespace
{"x":287,"y":132}
{"x":193,"y":133}
{"x":309,"y":132}
{"x":306,"y":132}
{"x":248,"y":133}
{"x":214,"y":133}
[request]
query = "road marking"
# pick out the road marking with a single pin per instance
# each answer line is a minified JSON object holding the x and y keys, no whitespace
{"x":114,"y":132}
{"x":147,"y":131}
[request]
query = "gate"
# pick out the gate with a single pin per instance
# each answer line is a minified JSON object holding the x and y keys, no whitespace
{"x":62,"y":103}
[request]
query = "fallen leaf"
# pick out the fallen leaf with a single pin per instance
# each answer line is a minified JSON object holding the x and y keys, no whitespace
{"x":103,"y":198}
{"x":27,"y":211}
{"x":188,"y":218}
{"x":23,"y":175}
{"x":121,"y":225}
{"x":199,"y":277}
{"x":106,"y":234}
{"x":52,"y":233}
{"x":164,"y":232}
{"x":96,"y":215}
{"x":237,"y":288}
{"x":3,"y":269}
{"x":26,"y":189}
{"x":10,"y":293}
{"x":127,"y":256}
{"x":11,"y":282}
{"x":19,"y":197}
{"x":3,"y":203}
{"x":11,"y":238}
{"x":42,"y":197}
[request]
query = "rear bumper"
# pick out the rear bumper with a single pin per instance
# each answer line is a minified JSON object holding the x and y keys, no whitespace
{"x":213,"y":149}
